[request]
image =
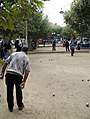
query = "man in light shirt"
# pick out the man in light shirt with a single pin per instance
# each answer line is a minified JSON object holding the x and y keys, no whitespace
{"x":16,"y":73}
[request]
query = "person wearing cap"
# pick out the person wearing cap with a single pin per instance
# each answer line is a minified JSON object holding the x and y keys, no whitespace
{"x":16,"y":73}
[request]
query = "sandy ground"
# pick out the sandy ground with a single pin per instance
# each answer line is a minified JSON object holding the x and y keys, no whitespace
{"x":68,"y":77}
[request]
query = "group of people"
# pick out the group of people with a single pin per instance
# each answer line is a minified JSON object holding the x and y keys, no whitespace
{"x":71,"y":46}
{"x":6,"y":48}
{"x":16,"y":74}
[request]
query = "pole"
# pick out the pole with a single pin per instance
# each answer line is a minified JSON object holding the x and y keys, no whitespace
{"x":26,"y":34}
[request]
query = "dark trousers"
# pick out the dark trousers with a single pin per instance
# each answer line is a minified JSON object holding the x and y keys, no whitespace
{"x":67,"y":48}
{"x":53,"y":47}
{"x":72,"y":52}
{"x":78,"y":47}
{"x":12,"y":79}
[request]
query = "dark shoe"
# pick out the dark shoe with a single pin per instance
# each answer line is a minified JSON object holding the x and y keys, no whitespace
{"x":20,"y":108}
{"x":11,"y":110}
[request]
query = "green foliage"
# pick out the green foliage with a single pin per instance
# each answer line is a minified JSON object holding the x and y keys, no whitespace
{"x":13,"y":10}
{"x":56,"y":29}
{"x":78,"y":17}
{"x":68,"y":32}
{"x":37,"y":27}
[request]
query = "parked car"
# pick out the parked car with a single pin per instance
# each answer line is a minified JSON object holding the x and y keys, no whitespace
{"x":84,"y":43}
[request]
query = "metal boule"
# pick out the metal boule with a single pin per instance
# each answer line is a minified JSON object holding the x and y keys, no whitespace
{"x":87,"y":104}
{"x":53,"y":94}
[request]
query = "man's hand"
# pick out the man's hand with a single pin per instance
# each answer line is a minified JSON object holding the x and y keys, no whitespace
{"x":24,"y":80}
{"x":22,"y":85}
{"x":3,"y":70}
{"x":1,"y":76}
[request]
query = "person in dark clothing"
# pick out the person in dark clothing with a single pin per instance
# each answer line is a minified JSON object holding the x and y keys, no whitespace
{"x":78,"y":46}
{"x":2,"y":49}
{"x":67,"y":45}
{"x":5,"y":49}
{"x":9,"y":45}
{"x":16,"y":43}
{"x":44,"y":42}
{"x":17,"y":46}
{"x":53,"y":45}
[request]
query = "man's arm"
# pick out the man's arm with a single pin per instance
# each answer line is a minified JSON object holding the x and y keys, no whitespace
{"x":3,"y":69}
{"x":24,"y":79}
{"x":25,"y":76}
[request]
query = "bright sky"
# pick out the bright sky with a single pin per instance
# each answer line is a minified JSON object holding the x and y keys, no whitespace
{"x":52,"y":9}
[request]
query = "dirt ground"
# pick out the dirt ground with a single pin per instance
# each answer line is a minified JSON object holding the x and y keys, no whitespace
{"x":65,"y":76}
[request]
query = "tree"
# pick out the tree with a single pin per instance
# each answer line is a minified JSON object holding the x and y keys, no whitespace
{"x":68,"y":33}
{"x":37,"y":27}
{"x":12,"y":10}
{"x":55,"y":31}
{"x":78,"y":17}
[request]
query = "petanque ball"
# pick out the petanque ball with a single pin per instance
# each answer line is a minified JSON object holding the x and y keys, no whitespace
{"x":87,"y":104}
{"x":53,"y":94}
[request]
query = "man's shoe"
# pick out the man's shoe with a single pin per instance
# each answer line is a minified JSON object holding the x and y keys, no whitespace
{"x":10,"y":109}
{"x":20,"y":108}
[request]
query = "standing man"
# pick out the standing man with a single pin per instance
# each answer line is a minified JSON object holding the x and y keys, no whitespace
{"x":16,"y":73}
{"x":53,"y":45}
{"x":78,"y":45}
{"x":67,"y":45}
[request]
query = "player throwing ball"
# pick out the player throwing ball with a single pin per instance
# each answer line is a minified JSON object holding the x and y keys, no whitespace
{"x":16,"y":73}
